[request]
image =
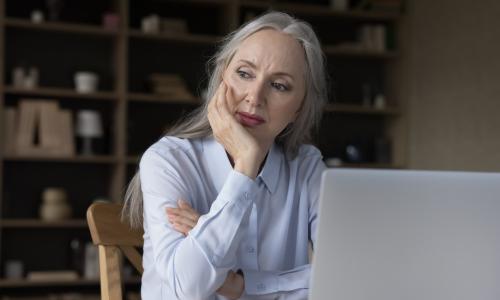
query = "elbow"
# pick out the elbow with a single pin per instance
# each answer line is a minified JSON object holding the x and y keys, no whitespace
{"x":194,"y":284}
{"x":187,"y":279}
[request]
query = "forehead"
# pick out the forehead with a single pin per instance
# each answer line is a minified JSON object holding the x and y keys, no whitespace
{"x":274,"y":50}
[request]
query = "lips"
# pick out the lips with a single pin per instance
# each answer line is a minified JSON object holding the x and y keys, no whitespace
{"x":249,"y":120}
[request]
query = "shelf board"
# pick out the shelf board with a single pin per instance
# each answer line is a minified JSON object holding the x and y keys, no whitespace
{"x":60,"y":27}
{"x":145,"y":97}
{"x":183,"y":38}
{"x":60,"y":92}
{"x":321,"y":10}
{"x":21,"y":283}
{"x":37,"y":223}
{"x":97,"y":159}
{"x":338,"y":51}
{"x":359,"y":109}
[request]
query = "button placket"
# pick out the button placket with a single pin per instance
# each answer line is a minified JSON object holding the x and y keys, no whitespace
{"x":251,"y":247}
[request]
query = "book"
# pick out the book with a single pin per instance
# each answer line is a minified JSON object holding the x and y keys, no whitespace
{"x":26,"y":124}
{"x":49,"y":129}
{"x":44,"y":129}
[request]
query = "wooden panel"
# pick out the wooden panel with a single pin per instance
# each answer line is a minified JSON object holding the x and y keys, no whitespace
{"x":454,"y":101}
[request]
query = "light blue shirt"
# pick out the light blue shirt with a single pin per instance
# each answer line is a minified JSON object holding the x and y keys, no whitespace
{"x":261,"y":226}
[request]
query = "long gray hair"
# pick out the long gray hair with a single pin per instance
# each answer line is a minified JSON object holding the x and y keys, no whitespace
{"x":196,"y":125}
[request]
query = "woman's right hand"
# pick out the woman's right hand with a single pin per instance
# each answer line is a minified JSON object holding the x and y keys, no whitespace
{"x":247,"y":153}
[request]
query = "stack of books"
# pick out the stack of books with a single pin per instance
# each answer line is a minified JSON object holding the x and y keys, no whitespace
{"x":38,"y":128}
{"x":170,"y":85}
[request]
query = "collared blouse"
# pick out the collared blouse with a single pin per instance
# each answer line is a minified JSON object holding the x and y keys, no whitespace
{"x":261,"y":226}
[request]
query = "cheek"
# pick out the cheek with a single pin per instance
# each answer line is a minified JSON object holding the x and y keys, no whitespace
{"x":235,"y":82}
{"x":238,"y":89}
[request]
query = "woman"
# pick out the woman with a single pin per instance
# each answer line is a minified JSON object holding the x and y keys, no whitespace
{"x":229,"y":197}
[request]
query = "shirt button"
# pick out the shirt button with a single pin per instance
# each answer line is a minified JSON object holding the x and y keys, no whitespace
{"x":246,"y":195}
{"x":261,"y":286}
{"x":250,"y":249}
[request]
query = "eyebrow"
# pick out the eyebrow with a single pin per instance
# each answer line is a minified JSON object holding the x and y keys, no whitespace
{"x":276,"y":73}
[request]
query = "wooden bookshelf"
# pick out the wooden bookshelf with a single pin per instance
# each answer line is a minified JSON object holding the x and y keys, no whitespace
{"x":144,"y":97}
{"x":180,"y":38}
{"x":125,"y":58}
{"x":59,"y":27}
{"x":60,"y":92}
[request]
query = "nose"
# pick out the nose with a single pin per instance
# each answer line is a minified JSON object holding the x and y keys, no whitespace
{"x":256,"y":94}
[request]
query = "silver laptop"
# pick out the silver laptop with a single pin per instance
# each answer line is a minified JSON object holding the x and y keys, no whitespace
{"x":399,"y":235}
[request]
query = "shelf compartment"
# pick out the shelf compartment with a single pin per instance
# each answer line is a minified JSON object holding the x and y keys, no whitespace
{"x":37,"y":223}
{"x":60,"y":92}
{"x":182,"y":38}
{"x":145,"y":97}
{"x":59,"y":27}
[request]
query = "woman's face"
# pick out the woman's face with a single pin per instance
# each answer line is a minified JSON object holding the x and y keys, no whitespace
{"x":266,"y":76}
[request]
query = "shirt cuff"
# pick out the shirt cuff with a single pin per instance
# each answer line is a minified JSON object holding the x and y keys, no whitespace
{"x":260,"y":282}
{"x":236,"y":184}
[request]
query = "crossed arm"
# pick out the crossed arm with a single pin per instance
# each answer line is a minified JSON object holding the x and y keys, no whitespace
{"x":183,"y":219}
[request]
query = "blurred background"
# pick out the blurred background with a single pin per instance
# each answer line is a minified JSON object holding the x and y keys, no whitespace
{"x":87,"y":86}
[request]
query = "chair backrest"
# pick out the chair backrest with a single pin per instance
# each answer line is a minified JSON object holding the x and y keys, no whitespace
{"x":111,"y":236}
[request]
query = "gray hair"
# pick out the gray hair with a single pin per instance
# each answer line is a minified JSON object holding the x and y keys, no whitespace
{"x":196,"y":125}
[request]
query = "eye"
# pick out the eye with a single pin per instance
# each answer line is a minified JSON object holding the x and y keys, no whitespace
{"x":279,"y":86}
{"x":243,"y":74}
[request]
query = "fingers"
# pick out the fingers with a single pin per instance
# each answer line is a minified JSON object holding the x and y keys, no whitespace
{"x":214,"y":115}
{"x":182,"y":218}
{"x":187,"y":210}
{"x":182,"y":228}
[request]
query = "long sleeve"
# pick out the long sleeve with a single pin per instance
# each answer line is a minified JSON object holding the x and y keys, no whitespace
{"x":196,"y":265}
{"x":270,"y":282}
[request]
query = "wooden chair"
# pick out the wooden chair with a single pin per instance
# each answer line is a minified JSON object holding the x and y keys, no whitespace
{"x":112,"y":236}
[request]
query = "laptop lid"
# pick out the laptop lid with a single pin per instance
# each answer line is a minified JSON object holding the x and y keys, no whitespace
{"x":393,"y":235}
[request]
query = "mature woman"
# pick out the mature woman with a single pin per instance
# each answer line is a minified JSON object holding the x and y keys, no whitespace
{"x":228,"y":199}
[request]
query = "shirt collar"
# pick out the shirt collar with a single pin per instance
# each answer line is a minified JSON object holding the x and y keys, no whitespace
{"x":219,"y":165}
{"x":271,"y":170}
